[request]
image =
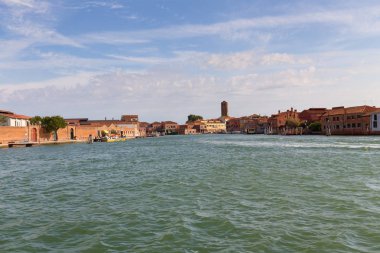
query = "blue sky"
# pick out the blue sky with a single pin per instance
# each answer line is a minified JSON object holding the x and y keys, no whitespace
{"x":166,"y":59}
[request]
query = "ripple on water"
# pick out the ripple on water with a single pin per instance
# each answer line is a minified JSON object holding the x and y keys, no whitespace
{"x":211,"y":193}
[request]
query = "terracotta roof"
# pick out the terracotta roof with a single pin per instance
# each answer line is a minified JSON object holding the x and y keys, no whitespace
{"x":15,"y":116}
{"x":5,"y":112}
{"x":350,"y":110}
{"x":169,"y":122}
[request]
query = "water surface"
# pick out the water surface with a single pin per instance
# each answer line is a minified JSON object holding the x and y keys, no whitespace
{"x":209,"y":193}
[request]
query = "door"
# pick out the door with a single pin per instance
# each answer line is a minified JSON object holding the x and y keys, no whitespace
{"x":34,"y":134}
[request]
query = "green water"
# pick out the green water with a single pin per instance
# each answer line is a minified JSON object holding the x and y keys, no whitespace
{"x":210,"y":193}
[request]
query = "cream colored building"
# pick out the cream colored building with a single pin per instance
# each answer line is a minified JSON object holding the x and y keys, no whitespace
{"x":214,"y":126}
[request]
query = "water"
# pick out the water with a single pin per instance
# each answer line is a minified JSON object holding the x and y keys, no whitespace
{"x":210,"y":193}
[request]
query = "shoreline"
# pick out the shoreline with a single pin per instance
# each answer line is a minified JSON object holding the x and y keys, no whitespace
{"x":35,"y":144}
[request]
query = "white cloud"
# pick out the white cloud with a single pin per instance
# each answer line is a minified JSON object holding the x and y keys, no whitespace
{"x":362,"y":21}
{"x":240,"y":60}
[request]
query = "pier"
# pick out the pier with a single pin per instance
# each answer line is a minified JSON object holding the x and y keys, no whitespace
{"x":26,"y":144}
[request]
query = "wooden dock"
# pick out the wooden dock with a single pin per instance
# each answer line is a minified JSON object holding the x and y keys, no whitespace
{"x":15,"y":145}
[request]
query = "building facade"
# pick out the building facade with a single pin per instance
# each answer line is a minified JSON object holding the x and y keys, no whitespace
{"x":277,"y":123}
{"x":347,"y":121}
{"x":224,"y":109}
{"x":13,"y":120}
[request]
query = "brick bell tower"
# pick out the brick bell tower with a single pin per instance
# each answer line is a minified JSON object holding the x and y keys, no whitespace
{"x":224,"y":107}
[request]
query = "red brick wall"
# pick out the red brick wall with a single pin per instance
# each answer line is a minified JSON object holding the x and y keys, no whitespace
{"x":8,"y":134}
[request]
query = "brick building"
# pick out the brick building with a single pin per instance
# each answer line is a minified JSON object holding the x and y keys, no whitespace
{"x":277,"y":122}
{"x":347,"y":120}
{"x":312,"y":115}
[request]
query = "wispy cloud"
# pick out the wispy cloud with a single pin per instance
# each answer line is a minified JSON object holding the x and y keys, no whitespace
{"x":364,"y":21}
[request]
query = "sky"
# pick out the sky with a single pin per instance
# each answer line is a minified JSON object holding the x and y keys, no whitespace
{"x":166,"y":59}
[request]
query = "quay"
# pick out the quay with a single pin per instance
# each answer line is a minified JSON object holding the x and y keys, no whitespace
{"x":32,"y":144}
{"x":27,"y":145}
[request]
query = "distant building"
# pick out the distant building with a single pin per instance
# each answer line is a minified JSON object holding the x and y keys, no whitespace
{"x":253,"y":124}
{"x":187,"y":129}
{"x":224,"y":109}
{"x":13,"y":120}
{"x":169,"y":127}
{"x":214,"y":126}
{"x":130,"y":118}
{"x":277,"y":122}
{"x":81,"y":128}
{"x":375,"y":122}
{"x":199,"y":126}
{"x":233,"y":125}
{"x":348,"y":121}
{"x":312,"y":115}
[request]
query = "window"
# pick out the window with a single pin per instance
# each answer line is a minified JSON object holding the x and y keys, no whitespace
{"x":348,"y":125}
{"x":375,"y":124}
{"x":375,"y":117}
{"x":337,"y":127}
{"x":353,"y":125}
{"x":359,"y":125}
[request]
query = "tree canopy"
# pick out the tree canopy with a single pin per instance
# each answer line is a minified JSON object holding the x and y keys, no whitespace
{"x":292,"y":123}
{"x":192,"y":118}
{"x":50,"y":124}
{"x":3,"y":119}
{"x":36,"y":120}
{"x":315,"y":126}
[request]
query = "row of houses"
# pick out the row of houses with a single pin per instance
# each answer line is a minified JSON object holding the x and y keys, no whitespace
{"x":17,"y":128}
{"x":173,"y":128}
{"x":357,"y":120}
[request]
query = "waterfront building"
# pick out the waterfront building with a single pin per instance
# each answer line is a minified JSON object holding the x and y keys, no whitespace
{"x":187,"y":129}
{"x":11,"y":119}
{"x":312,"y":115}
{"x":169,"y":127}
{"x":199,"y":126}
{"x":143,"y":128}
{"x":153,"y":128}
{"x":347,"y":121}
{"x":233,"y":125}
{"x":130,"y":118}
{"x":277,"y":123}
{"x":214,"y":126}
{"x":254,"y":124}
{"x":375,"y":122}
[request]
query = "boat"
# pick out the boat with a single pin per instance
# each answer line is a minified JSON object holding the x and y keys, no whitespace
{"x":107,"y":139}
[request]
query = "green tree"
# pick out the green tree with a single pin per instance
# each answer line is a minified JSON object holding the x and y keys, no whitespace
{"x":292,"y":123}
{"x":36,"y":120}
{"x":50,"y":124}
{"x":315,"y":126}
{"x":192,"y":118}
{"x":3,"y":119}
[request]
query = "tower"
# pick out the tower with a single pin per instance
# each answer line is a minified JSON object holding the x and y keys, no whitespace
{"x":224,"y":106}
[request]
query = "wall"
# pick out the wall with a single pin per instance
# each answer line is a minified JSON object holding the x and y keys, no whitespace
{"x":9,"y":134}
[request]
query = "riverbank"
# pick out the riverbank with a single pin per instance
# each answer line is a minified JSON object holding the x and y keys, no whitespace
{"x":31,"y":144}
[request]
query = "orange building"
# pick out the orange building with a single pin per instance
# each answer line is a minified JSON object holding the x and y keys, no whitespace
{"x":187,"y":129}
{"x":169,"y":127}
{"x":277,"y":122}
{"x":312,"y":115}
{"x":347,"y":121}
